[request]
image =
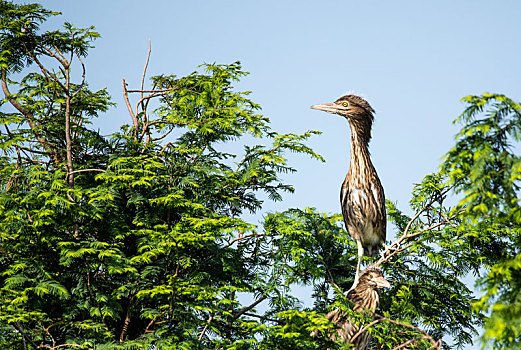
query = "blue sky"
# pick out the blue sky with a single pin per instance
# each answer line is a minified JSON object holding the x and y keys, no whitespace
{"x":412,"y":60}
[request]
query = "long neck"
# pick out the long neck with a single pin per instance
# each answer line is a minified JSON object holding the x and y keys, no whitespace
{"x":360,"y":166}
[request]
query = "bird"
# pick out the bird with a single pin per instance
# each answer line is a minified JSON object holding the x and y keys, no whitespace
{"x":365,"y":299}
{"x":362,"y":197}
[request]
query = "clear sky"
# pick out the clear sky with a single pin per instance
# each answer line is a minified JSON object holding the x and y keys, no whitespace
{"x":412,"y":60}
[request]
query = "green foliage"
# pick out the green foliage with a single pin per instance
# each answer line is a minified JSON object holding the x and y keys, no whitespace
{"x":484,"y":167}
{"x":136,"y":241}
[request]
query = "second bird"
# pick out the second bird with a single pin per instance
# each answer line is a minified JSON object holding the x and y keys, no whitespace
{"x":362,"y":196}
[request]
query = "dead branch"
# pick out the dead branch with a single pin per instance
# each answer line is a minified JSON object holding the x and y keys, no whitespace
{"x":132,"y":115}
{"x":145,"y":71}
{"x":49,"y":334}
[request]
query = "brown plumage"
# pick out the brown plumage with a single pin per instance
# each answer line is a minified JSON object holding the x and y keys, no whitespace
{"x":362,"y":196}
{"x":365,"y":298}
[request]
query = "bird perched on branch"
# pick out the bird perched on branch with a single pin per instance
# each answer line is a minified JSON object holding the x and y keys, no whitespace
{"x":365,"y":298}
{"x":362,"y":196}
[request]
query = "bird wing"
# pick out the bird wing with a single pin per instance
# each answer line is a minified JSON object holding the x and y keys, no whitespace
{"x":380,"y":218}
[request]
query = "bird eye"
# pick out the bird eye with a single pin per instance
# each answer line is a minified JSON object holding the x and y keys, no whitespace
{"x":345,"y":104}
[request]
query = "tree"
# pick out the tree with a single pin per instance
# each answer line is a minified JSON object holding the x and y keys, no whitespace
{"x":136,"y":240}
{"x":485,"y":169}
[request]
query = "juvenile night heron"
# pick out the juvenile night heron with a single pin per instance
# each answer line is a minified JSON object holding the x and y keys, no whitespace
{"x":362,"y":196}
{"x":365,"y":298}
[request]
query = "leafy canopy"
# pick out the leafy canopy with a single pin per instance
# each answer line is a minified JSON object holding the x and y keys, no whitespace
{"x":137,"y":240}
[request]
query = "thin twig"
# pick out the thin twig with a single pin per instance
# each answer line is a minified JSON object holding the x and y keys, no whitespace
{"x":82,"y":75}
{"x":161,"y":90}
{"x":145,"y":71}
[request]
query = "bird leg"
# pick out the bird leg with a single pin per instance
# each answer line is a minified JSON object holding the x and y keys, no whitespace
{"x":360,"y":255}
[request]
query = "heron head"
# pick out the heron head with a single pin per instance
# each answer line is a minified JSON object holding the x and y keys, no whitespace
{"x":373,"y":277}
{"x":351,"y":107}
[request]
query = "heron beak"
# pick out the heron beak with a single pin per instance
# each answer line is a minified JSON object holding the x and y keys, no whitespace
{"x":326,"y":107}
{"x":382,"y":282}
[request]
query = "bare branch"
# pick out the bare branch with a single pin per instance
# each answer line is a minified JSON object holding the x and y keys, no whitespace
{"x":248,"y":308}
{"x":241,"y":237}
{"x":82,"y":75}
{"x":145,"y":128}
{"x":163,"y":136}
{"x":132,"y":115}
{"x":164,"y":147}
{"x":262,"y":317}
{"x":62,"y":346}
{"x":48,"y":74}
{"x":395,"y":247}
{"x":127,"y":320}
{"x":154,"y":320}
{"x":210,"y":318}
{"x":145,"y":71}
{"x":61,"y":59}
{"x":68,"y":139}
{"x":84,"y":170}
{"x":162,"y":90}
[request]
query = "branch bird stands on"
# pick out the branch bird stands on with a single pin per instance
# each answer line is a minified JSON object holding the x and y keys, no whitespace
{"x":362,"y":196}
